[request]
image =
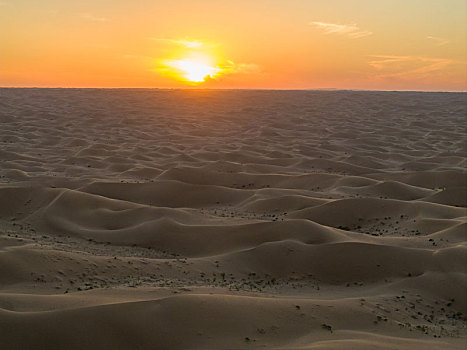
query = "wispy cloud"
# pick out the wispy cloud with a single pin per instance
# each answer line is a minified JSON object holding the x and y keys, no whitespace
{"x":242,"y":68}
{"x":438,"y":41}
{"x":93,"y":18}
{"x":190,"y":44}
{"x":350,"y":30}
{"x":407,"y":66}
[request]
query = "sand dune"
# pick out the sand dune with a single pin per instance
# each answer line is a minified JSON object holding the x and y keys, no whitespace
{"x":171,"y":219}
{"x":249,"y":321}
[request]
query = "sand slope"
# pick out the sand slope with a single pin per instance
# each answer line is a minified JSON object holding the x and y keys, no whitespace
{"x":142,"y":219}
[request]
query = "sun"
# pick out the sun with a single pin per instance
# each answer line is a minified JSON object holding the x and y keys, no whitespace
{"x":193,"y":70}
{"x":193,"y":62}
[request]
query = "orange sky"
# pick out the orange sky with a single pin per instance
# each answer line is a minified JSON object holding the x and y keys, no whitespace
{"x":274,"y":44}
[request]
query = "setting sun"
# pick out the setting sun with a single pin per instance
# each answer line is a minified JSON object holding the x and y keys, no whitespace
{"x":191,"y":69}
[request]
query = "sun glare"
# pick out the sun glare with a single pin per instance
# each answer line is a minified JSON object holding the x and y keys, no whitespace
{"x":192,"y":62}
{"x":192,"y":70}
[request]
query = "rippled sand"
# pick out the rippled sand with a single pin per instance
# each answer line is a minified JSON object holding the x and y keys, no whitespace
{"x":159,"y":219}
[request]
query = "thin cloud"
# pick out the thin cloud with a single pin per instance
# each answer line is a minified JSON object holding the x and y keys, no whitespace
{"x":242,"y":68}
{"x":408,"y":66}
{"x":232,"y":69}
{"x":350,"y":30}
{"x":190,"y":44}
{"x":93,"y":18}
{"x":438,"y":41}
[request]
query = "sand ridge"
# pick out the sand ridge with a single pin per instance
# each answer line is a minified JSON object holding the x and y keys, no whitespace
{"x":238,"y":219}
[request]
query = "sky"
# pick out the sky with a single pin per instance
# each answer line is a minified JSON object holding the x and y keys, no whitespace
{"x":265,"y":44}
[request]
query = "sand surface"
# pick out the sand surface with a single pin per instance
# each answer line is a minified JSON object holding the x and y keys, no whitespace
{"x":152,"y":219}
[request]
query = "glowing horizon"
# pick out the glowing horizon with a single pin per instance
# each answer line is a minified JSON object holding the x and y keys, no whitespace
{"x":264,"y":44}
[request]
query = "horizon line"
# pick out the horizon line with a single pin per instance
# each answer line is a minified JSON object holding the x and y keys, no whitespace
{"x":230,"y":89}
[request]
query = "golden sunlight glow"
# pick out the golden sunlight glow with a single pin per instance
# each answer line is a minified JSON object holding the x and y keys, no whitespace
{"x":191,"y":61}
{"x":192,"y":70}
{"x":299,"y":44}
{"x":190,"y":44}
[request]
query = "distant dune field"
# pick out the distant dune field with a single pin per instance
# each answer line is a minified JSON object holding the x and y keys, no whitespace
{"x":178,"y":219}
